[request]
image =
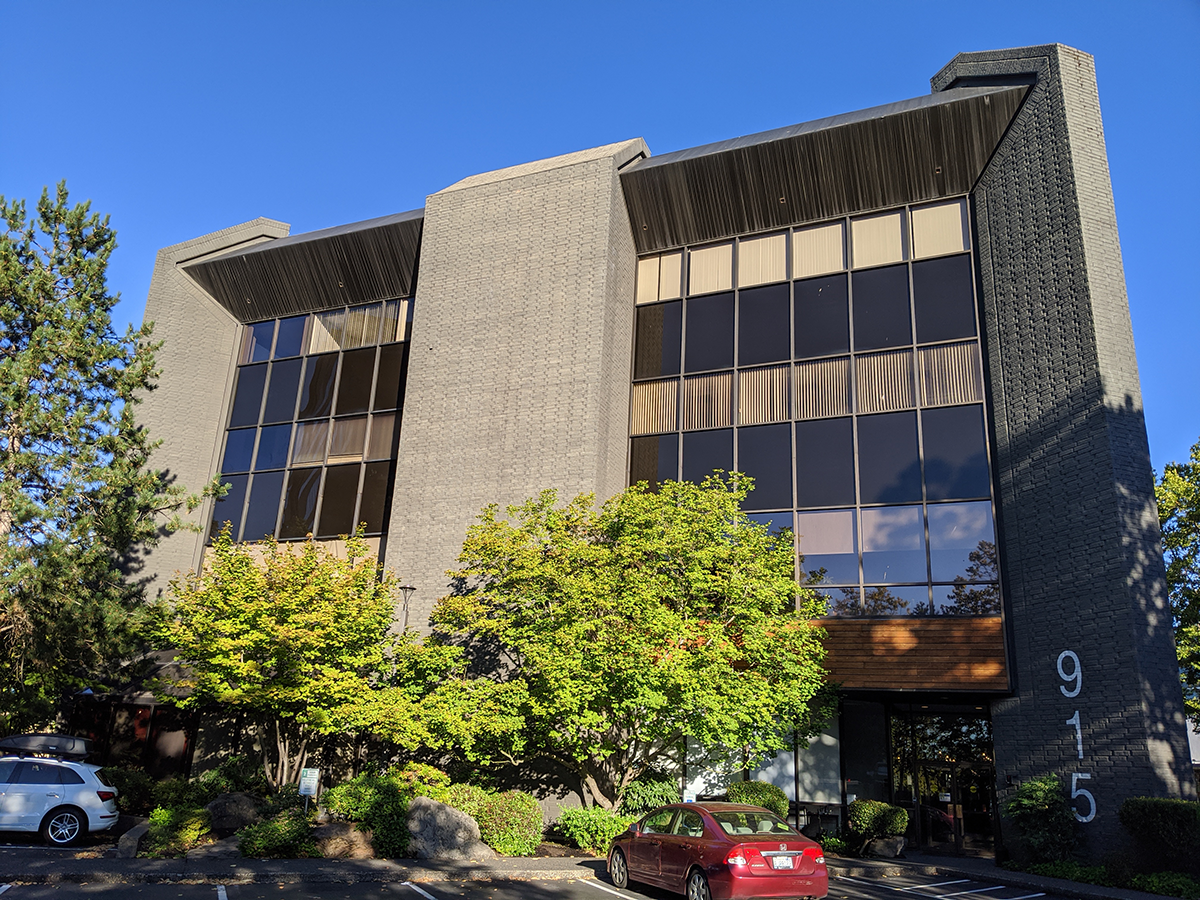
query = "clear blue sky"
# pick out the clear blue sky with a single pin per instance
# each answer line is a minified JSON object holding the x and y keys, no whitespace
{"x":183,"y":118}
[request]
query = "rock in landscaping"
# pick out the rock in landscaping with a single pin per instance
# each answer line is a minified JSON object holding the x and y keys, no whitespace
{"x":888,"y":847}
{"x":438,"y":831}
{"x":226,"y":848}
{"x":341,"y":840}
{"x":232,"y":812}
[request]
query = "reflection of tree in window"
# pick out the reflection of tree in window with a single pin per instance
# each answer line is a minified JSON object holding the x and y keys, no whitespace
{"x":968,"y":599}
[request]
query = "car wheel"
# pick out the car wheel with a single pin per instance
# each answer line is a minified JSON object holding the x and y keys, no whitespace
{"x":697,"y":886}
{"x":618,"y":869}
{"x":64,"y":827}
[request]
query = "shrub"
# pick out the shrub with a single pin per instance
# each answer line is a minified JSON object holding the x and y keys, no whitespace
{"x":1173,"y":884}
{"x":1166,"y":831}
{"x":175,"y":831}
{"x":1044,"y":819}
{"x":286,"y":836}
{"x":760,"y":793}
{"x":420,"y":780}
{"x":648,"y":791}
{"x":134,"y":787}
{"x":375,"y":803}
{"x":592,"y":828}
{"x":833,"y":843}
{"x":287,"y":797}
{"x":1072,"y":871}
{"x":509,"y":823}
{"x":180,"y":793}
{"x":871,"y":819}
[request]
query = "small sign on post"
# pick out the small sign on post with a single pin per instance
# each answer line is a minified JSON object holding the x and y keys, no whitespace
{"x":308,"y":784}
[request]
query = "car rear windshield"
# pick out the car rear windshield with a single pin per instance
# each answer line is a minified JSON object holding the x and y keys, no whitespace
{"x":752,"y":823}
{"x":99,"y":773}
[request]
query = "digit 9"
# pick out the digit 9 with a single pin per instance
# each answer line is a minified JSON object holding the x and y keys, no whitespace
{"x":1074,"y":675}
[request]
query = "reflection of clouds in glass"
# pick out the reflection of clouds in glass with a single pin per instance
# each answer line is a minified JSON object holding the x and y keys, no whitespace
{"x":892,"y":528}
{"x":774,"y":522}
{"x":959,"y":526}
{"x":826,"y":532}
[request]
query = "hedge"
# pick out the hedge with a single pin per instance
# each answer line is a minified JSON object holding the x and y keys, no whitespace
{"x":760,"y":793}
{"x":510,"y":823}
{"x":592,"y":828}
{"x":871,"y":819}
{"x":1166,"y":831}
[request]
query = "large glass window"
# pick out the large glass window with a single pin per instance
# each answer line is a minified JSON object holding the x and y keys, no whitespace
{"x":763,"y":325}
{"x":709,"y":333}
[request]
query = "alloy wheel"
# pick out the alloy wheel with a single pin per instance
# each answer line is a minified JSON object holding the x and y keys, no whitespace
{"x":697,"y":887}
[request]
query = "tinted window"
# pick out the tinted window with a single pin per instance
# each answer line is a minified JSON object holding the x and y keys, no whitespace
{"x":69,"y":776}
{"x":689,"y":824}
{"x":962,"y":541}
{"x":36,"y":773}
{"x":390,"y":382}
{"x":273,"y":447}
{"x":290,"y":339}
{"x":893,"y":545}
{"x":704,"y":451}
{"x":229,"y":507}
{"x":654,"y":459}
{"x":825,"y":462}
{"x":829,"y":541}
{"x":375,"y":495}
{"x":258,"y":341}
{"x":239,"y":450}
{"x":337,"y":505}
{"x":822,"y":317}
{"x":765,"y":452}
{"x":881,"y":317}
{"x":264,"y":506}
{"x":281,"y":393}
{"x":659,"y":822}
{"x":890,"y":600}
{"x":300,"y":503}
{"x":763,"y":322}
{"x":943,"y":300}
{"x":656,"y":350}
{"x":955,"y":453}
{"x":709,"y":333}
{"x":247,"y":397}
{"x":316,"y":390}
{"x":7,"y":767}
{"x":889,"y":470}
{"x":354,"y":388}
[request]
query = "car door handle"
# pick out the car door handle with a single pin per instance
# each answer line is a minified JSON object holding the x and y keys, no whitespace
{"x":52,"y":795}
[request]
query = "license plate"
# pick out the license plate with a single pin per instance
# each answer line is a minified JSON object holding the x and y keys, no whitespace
{"x":781,"y":862}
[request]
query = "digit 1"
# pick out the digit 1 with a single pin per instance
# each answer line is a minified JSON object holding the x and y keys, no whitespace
{"x":1074,"y":720}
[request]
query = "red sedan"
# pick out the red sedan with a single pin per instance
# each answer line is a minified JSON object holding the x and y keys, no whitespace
{"x":719,"y":851}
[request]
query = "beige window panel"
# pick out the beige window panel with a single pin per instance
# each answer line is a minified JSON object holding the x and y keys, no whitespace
{"x":647,"y":280}
{"x":710,"y":269}
{"x":951,"y":374}
{"x":939,"y":229}
{"x":653,"y":407}
{"x":823,"y":388}
{"x":708,"y":401}
{"x":884,"y":381}
{"x":818,"y":251}
{"x":763,"y":395}
{"x":762,"y":260}
{"x":877,"y":240}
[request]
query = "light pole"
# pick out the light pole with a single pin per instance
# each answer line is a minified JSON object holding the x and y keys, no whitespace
{"x":407,"y":590}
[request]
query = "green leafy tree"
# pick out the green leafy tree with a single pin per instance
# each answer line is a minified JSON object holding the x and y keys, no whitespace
{"x":608,"y":637}
{"x":293,"y":634}
{"x":76,"y":491}
{"x":1178,"y":495}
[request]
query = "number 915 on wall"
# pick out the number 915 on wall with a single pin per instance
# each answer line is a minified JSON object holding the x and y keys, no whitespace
{"x":1071,"y":672}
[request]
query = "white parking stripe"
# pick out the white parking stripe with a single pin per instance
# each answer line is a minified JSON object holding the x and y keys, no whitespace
{"x":1026,"y":897}
{"x":994,"y":887}
{"x":424,"y":893}
{"x":4,"y":887}
{"x":221,"y":895}
{"x":604,"y":888}
{"x":936,"y":884}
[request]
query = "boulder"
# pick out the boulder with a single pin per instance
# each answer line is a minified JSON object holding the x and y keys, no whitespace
{"x":888,"y":847}
{"x":341,"y":840}
{"x":438,"y":831}
{"x":232,"y":812}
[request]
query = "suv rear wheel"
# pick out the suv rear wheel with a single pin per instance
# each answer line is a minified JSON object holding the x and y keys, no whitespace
{"x":64,"y":826}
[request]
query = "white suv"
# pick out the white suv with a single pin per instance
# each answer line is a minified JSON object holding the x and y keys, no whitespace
{"x":62,"y":799}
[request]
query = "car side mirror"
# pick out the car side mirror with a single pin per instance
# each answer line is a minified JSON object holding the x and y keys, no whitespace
{"x":633,"y":828}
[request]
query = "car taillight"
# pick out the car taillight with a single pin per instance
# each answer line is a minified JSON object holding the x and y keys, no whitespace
{"x":105,"y":795}
{"x":744,"y":856}
{"x":816,"y":853}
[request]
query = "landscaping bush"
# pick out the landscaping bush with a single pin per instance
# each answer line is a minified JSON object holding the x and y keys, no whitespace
{"x":286,"y":836}
{"x":1072,"y":871}
{"x":375,"y":803}
{"x":1044,"y":819}
{"x":1166,"y":832}
{"x":134,"y":786}
{"x":1170,"y":884}
{"x":173,"y":832}
{"x":180,"y":793}
{"x":592,"y":828}
{"x":759,"y":793}
{"x":648,"y":791}
{"x":510,"y":823}
{"x":833,"y":843}
{"x":420,"y":780}
{"x":1173,"y":884}
{"x":287,"y":797}
{"x":871,"y":819}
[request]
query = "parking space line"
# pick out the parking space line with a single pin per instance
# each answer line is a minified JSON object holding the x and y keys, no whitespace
{"x":604,"y":888}
{"x":1026,"y":897}
{"x":994,"y":887}
{"x":424,"y":893}
{"x":4,"y":887}
{"x":221,"y":895}
{"x":936,"y":884}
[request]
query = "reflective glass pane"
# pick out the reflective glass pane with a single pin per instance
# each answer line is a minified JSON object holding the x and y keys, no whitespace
{"x":349,"y":435}
{"x":765,"y":453}
{"x":822,"y":317}
{"x":354,"y":387}
{"x":383,"y":433}
{"x":389,"y":384}
{"x":881,"y":316}
{"x":889,"y":470}
{"x":327,"y":331}
{"x":654,"y":459}
{"x":239,"y":450}
{"x":825,"y":462}
{"x":962,"y":542}
{"x":704,"y":451}
{"x":310,"y":443}
{"x":841,"y":601}
{"x":956,"y":464}
{"x":273,"y":447}
{"x":290,"y":340}
{"x":763,"y":325}
{"x":656,"y":345}
{"x":775,"y":522}
{"x":338,"y":500}
{"x":263,"y":509}
{"x":943,"y":299}
{"x":391,"y":313}
{"x":893,"y":542}
{"x":709,"y":333}
{"x":890,"y":600}
{"x":967,"y":599}
{"x":281,"y":392}
{"x":247,"y":396}
{"x":375,"y":496}
{"x":828,"y":541}
{"x":362,"y":326}
{"x":256,"y":344}
{"x":300,"y":503}
{"x":229,"y":507}
{"x":316,"y":389}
